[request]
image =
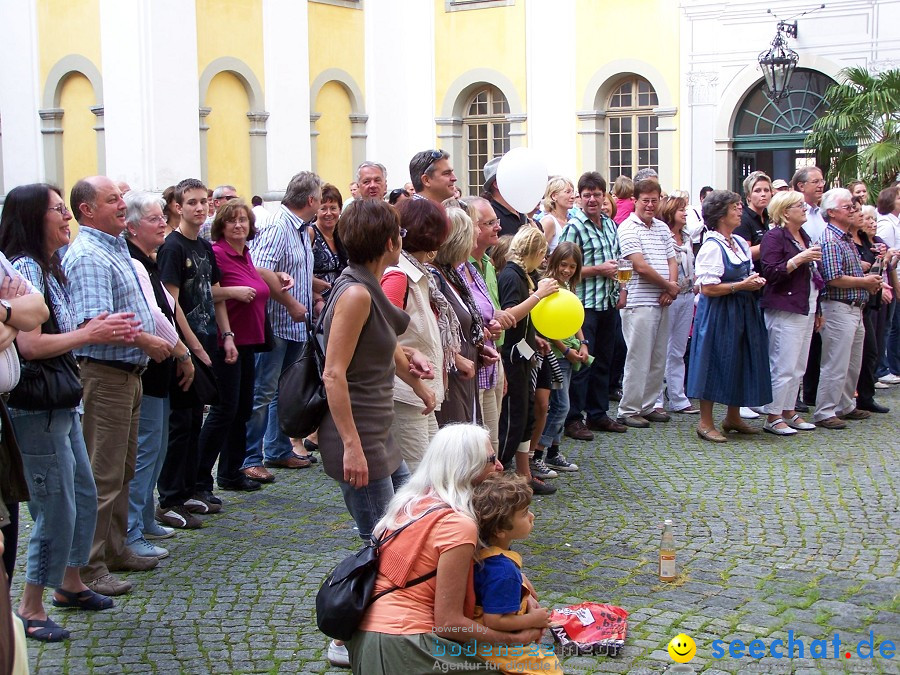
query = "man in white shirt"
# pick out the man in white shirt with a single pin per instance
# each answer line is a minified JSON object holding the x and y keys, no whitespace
{"x":647,"y":243}
{"x":809,"y":181}
{"x":259,"y":211}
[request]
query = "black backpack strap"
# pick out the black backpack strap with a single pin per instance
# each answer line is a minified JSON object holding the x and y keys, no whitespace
{"x":408,"y":584}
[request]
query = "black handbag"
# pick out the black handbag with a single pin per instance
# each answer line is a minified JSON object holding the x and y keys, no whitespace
{"x":346,"y":593}
{"x":47,"y":384}
{"x":301,"y":391}
{"x":204,"y":390}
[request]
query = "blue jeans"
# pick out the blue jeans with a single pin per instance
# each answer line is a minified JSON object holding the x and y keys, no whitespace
{"x":889,"y":363}
{"x":263,"y":434}
{"x":367,"y":505}
{"x":63,"y":495}
{"x":153,"y":441}
{"x":559,"y":407}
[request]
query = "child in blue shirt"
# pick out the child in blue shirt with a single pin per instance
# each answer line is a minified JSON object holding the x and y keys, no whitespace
{"x":501,"y":504}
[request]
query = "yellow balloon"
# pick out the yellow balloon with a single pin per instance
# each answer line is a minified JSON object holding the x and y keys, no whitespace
{"x":558,"y":316}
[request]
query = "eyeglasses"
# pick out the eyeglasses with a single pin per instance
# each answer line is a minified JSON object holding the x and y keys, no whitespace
{"x":597,"y":196}
{"x":492,"y":458}
{"x":490,"y":223}
{"x":846,"y":207}
{"x":156,"y":220}
{"x":61,"y":209}
{"x":402,"y":232}
{"x":242,"y":220}
{"x":228,"y":198}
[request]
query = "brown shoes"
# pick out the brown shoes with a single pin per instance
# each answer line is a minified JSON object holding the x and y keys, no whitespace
{"x":831,"y":423}
{"x":856,"y":414}
{"x":606,"y":423}
{"x":109,"y":585}
{"x":579,"y":431}
{"x":292,"y":462}
{"x":258,"y":473}
{"x":742,"y":428}
{"x":712,"y":435}
{"x":130,"y":562}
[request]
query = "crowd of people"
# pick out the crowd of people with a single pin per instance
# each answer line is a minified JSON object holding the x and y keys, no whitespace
{"x":176,"y":316}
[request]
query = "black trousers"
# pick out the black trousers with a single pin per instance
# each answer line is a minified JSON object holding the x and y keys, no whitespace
{"x":874,"y":321}
{"x":517,"y":410}
{"x":11,"y":540}
{"x":811,"y":376}
{"x":224,"y":433}
{"x":589,"y":389}
{"x":178,"y":477}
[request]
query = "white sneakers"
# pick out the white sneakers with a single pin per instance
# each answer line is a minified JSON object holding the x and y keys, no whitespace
{"x":338,"y":655}
{"x":890,"y":378}
{"x":748,"y":414}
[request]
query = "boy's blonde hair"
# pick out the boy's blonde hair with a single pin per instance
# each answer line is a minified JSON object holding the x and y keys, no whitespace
{"x":496,"y":501}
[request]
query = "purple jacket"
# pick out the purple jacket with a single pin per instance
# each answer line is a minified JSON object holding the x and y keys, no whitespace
{"x":784,"y":290}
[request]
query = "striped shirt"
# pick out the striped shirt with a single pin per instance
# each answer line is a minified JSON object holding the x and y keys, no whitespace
{"x":840,"y":258}
{"x":102,"y":279}
{"x":655,"y":243}
{"x":598,"y":244}
{"x":487,"y":374}
{"x":283,"y":246}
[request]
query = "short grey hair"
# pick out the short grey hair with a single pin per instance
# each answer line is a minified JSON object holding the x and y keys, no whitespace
{"x":716,"y":206}
{"x":802,"y":175}
{"x":371,"y":165}
{"x":219,"y":192}
{"x":302,"y":186}
{"x":422,"y":164}
{"x":831,"y":198}
{"x":137,"y":204}
{"x":458,"y":244}
{"x":644,"y":174}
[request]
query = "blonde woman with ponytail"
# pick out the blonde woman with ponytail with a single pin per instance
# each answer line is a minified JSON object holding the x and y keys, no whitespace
{"x":519,"y":295}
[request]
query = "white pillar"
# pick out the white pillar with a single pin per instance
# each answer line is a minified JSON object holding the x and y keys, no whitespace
{"x":702,"y":100}
{"x":551,"y":95}
{"x":150,"y":91}
{"x":400,"y":86}
{"x":286,"y":58}
{"x":20,"y":96}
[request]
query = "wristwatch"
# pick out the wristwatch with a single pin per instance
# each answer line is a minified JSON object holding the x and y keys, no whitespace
{"x":8,"y":306}
{"x":585,"y":342}
{"x":184,"y":357}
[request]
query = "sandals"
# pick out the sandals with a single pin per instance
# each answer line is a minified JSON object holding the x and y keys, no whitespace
{"x":712,"y":435}
{"x":45,"y":631}
{"x":86,"y":599}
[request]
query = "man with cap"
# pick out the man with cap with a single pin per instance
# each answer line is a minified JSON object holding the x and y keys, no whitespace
{"x":780,"y":185}
{"x":510,"y":219}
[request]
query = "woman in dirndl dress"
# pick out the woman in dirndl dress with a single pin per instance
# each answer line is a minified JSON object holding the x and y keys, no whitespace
{"x":729,"y":346}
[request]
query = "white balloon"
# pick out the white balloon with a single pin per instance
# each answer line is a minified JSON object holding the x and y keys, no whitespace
{"x":522,"y":178}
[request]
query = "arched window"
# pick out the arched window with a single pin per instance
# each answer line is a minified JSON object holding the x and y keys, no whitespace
{"x":633,"y":141}
{"x":486,"y":133}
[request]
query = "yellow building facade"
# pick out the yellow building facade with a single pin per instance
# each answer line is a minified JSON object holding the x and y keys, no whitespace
{"x":247,"y":92}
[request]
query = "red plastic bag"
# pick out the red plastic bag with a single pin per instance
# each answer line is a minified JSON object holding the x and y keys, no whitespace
{"x":589,"y":628}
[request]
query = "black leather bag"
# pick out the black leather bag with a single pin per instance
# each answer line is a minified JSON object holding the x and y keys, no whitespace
{"x":346,"y":594}
{"x":47,"y":384}
{"x":204,"y":390}
{"x":301,"y":392}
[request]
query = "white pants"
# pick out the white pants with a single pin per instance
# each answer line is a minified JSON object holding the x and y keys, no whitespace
{"x":646,"y":331}
{"x":789,"y":337}
{"x":491,"y":401}
{"x":842,"y":345}
{"x":412,"y":431}
{"x":681,"y":316}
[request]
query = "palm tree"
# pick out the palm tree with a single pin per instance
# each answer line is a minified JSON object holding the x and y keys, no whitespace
{"x":859,"y":135}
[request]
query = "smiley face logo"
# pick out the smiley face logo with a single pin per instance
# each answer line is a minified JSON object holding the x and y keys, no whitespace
{"x":682,"y":648}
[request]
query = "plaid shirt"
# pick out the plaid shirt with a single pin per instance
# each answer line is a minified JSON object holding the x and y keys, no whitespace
{"x":283,"y":246}
{"x":102,"y":279}
{"x":598,"y":244}
{"x":840,"y":258}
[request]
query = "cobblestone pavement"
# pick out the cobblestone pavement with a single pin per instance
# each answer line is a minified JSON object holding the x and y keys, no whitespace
{"x":773,"y":535}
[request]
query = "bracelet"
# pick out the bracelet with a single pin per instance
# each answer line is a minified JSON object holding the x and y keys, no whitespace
{"x":184,"y":357}
{"x":568,"y":349}
{"x":732,"y":289}
{"x":227,"y":334}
